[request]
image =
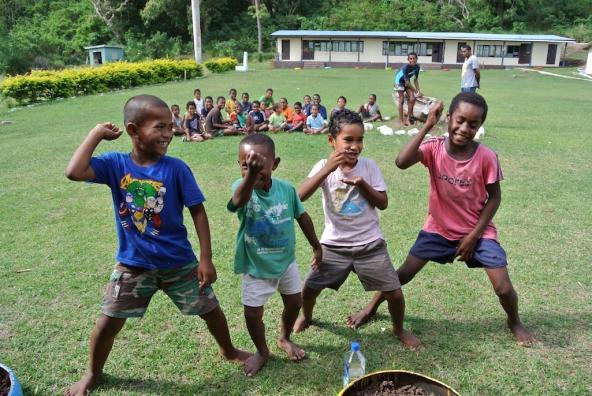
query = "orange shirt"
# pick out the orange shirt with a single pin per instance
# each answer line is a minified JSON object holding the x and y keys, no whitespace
{"x":288,"y":113}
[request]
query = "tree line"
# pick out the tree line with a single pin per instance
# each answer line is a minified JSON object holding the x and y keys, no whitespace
{"x":52,"y":34}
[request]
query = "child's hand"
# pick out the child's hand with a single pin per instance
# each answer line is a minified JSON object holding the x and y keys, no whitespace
{"x":317,"y":258}
{"x":206,"y":273}
{"x":335,"y":159}
{"x":465,"y":248}
{"x":435,"y":113}
{"x":353,"y":182}
{"x":255,"y":162}
{"x":107,"y":131}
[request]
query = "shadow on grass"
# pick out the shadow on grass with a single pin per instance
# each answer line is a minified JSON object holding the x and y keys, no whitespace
{"x":447,"y":343}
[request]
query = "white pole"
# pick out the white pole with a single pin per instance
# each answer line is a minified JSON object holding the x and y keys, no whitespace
{"x":196,"y":30}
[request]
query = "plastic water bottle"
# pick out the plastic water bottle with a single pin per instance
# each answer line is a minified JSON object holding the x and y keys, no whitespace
{"x":354,"y":365}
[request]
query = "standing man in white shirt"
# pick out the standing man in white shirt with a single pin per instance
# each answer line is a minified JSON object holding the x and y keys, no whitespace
{"x":471,"y":76}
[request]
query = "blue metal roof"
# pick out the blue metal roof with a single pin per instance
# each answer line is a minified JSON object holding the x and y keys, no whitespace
{"x":422,"y":35}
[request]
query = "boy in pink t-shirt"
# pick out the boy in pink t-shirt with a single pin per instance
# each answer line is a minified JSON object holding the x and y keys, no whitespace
{"x":463,"y":198}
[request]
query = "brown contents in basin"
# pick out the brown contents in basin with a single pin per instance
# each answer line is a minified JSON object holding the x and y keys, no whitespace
{"x":388,"y":388}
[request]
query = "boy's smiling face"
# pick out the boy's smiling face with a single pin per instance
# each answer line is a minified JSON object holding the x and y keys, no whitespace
{"x":464,"y":123}
{"x":152,"y":136}
{"x":263,"y":181}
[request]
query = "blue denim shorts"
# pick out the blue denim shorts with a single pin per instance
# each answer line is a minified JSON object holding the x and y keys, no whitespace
{"x":468,"y":89}
{"x":488,"y":253}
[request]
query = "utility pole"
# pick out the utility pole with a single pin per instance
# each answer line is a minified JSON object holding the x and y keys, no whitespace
{"x":196,"y":30}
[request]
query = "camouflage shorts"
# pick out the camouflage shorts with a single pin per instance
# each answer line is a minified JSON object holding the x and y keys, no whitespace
{"x":130,"y":289}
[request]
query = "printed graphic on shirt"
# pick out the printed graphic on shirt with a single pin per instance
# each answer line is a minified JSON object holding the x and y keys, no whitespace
{"x":456,"y":181}
{"x":347,"y":200}
{"x":144,"y":200}
{"x":266,"y":229}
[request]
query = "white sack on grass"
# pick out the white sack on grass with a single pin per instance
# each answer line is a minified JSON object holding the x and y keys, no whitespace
{"x":385,"y":130}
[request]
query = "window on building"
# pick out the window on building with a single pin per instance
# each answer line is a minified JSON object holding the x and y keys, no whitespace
{"x":398,"y":48}
{"x":337,"y":46}
{"x":347,"y":46}
{"x":491,"y":51}
{"x":513,"y":51}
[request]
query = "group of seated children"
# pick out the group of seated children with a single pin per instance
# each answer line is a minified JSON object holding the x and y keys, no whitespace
{"x":203,"y":120}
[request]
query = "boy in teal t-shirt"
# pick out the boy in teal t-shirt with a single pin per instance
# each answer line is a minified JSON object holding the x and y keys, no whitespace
{"x":265,"y":245}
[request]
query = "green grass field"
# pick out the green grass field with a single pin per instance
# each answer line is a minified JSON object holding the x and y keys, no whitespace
{"x":58,"y":243}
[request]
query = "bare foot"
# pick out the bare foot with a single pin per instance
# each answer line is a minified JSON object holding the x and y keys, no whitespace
{"x":237,"y":356}
{"x":295,"y":353}
{"x":358,"y":319}
{"x":301,"y":324}
{"x":254,"y":363}
{"x":83,"y":386}
{"x":524,"y":337}
{"x":409,"y":339}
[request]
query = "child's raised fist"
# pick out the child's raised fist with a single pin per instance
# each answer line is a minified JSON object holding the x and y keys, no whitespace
{"x":107,"y":131}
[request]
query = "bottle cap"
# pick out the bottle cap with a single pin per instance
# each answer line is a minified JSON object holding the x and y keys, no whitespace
{"x":355,"y":346}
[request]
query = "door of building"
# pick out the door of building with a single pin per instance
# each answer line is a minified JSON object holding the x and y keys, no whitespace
{"x":524,"y":54}
{"x":307,"y":50}
{"x":551,"y":54}
{"x":285,"y":49}
{"x":437,"y":52}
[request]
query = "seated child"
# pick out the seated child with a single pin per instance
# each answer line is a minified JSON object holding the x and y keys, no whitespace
{"x":341,"y":102}
{"x":246,"y":104}
{"x":306,"y":104}
{"x":149,"y":191}
{"x":199,"y":102}
{"x":231,"y":101}
{"x":298,"y":119}
{"x":352,"y":187}
{"x":215,"y":125}
{"x":267,"y":99}
{"x":191,"y":125}
{"x":208,"y":106}
{"x":267,"y":111}
{"x":316,"y":99}
{"x":315,"y":123}
{"x":277,"y":121}
{"x":370,"y":111}
{"x":256,"y":121}
{"x":265,"y":245}
{"x":464,"y":195}
{"x":287,"y":110}
{"x":239,"y":118}
{"x":177,"y":121}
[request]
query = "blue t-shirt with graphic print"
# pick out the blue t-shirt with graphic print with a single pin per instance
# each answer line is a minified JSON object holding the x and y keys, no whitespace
{"x":265,"y":243}
{"x":148,"y":204}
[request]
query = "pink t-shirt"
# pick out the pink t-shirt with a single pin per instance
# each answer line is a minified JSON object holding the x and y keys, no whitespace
{"x":350,"y":220}
{"x":457,"y":189}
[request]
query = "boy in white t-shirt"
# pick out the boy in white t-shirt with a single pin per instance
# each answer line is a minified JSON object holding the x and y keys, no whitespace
{"x":352,"y":188}
{"x":370,"y":111}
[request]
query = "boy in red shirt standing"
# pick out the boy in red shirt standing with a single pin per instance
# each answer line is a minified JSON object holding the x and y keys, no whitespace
{"x":463,"y":198}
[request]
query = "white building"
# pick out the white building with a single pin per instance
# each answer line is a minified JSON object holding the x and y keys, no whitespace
{"x":302,"y":48}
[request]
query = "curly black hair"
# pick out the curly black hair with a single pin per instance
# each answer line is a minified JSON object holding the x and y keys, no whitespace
{"x":344,"y":117}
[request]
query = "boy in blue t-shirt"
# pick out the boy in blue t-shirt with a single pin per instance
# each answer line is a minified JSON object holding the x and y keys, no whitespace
{"x":265,"y":245}
{"x":403,"y":84}
{"x":149,"y":191}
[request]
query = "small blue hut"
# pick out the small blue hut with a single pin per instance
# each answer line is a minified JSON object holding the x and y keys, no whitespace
{"x":100,"y":54}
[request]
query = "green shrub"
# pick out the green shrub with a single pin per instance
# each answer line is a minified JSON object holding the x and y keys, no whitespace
{"x":220,"y":65}
{"x":39,"y":86}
